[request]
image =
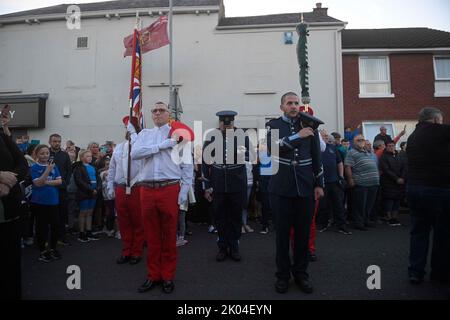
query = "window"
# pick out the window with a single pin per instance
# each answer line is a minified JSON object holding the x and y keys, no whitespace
{"x":374,"y":77}
{"x":442,"y":76}
{"x":371,"y":129}
{"x":288,"y":38}
{"x":82,"y":42}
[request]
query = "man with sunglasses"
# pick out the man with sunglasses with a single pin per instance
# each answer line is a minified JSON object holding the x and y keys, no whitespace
{"x":363,"y":178}
{"x":294,"y":188}
{"x":164,"y":185}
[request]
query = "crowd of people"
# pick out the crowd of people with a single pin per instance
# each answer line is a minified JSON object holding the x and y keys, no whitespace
{"x":134,"y":192}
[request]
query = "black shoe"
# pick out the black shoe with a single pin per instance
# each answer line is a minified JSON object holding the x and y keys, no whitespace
{"x":281,"y":286}
{"x":188,"y":233}
{"x":343,"y":229}
{"x":55,"y":255}
{"x":147,"y":285}
{"x":394,"y":223}
{"x":312,"y":257}
{"x":91,"y":236}
{"x":123,"y":259}
{"x":235,"y":255}
{"x":64,"y":243}
{"x":135,"y":260}
{"x":415,"y":280}
{"x":304,"y":285}
{"x":221,"y":255}
{"x":369,"y":225}
{"x":83,"y":237}
{"x":168,"y":286}
{"x":45,"y":257}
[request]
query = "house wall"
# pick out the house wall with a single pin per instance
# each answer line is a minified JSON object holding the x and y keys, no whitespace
{"x":243,"y":70}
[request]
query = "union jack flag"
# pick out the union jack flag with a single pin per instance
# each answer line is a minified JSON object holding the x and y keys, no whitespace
{"x":136,"y":71}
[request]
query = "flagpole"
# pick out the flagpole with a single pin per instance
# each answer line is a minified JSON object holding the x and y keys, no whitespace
{"x":141,"y":59}
{"x":133,"y":66}
{"x":171,"y":56}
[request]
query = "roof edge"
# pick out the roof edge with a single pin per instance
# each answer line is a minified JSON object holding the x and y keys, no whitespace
{"x":280,"y":25}
{"x":122,"y":13}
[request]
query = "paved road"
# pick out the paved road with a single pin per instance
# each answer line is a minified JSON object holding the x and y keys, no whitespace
{"x":340,"y":272}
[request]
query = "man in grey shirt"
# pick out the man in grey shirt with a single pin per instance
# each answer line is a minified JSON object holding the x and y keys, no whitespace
{"x":363,"y":177}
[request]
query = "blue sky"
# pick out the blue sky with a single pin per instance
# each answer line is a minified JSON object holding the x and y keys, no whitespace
{"x":358,"y":13}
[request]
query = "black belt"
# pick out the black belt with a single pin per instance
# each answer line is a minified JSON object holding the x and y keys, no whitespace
{"x":157,"y":184}
{"x":228,"y":166}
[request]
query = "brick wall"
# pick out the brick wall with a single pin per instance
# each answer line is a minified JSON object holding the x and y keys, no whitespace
{"x":412,"y":83}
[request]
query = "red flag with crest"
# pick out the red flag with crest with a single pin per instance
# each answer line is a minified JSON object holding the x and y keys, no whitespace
{"x":153,"y":37}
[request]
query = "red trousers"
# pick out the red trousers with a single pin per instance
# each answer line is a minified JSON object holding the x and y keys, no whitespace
{"x":130,"y":221}
{"x":159,"y":207}
{"x":312,"y":232}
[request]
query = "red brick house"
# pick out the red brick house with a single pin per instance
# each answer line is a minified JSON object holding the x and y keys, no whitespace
{"x":390,"y":74}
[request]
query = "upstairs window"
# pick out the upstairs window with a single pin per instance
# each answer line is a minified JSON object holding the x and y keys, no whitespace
{"x":374,"y":77}
{"x":442,"y":76}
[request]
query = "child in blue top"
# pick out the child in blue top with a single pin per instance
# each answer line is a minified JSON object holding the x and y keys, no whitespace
{"x":44,"y":202}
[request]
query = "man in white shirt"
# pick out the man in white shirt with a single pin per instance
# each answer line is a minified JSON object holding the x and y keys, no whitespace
{"x":128,"y":208}
{"x":164,"y":186}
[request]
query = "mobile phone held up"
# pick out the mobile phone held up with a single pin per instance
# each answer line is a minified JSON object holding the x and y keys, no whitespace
{"x":5,"y":111}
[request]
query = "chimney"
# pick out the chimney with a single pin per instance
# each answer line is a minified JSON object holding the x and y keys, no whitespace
{"x":319,"y":10}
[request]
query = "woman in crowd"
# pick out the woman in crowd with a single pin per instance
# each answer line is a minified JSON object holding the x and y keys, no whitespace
{"x":393,"y":181}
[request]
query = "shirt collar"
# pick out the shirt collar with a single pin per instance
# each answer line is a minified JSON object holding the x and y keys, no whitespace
{"x":360,"y":150}
{"x":287,"y":119}
{"x":166,"y":126}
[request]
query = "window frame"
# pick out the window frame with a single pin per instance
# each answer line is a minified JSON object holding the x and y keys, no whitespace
{"x":378,"y":123}
{"x":388,"y":94}
{"x":443,"y":93}
{"x":435,"y":69}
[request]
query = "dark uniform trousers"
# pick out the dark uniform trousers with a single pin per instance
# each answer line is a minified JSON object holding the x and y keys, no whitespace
{"x":228,"y":217}
{"x":296,"y":212}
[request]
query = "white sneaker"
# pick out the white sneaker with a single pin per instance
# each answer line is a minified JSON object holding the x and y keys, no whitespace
{"x":211,"y":229}
{"x":243,"y":230}
{"x":118,"y":235}
{"x":181,"y":242}
{"x":248,"y":228}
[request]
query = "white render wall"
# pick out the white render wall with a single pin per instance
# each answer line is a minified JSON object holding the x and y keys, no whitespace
{"x":216,"y":70}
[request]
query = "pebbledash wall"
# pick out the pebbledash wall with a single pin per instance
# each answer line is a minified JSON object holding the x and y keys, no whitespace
{"x":412,"y":84}
{"x":245,"y":69}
